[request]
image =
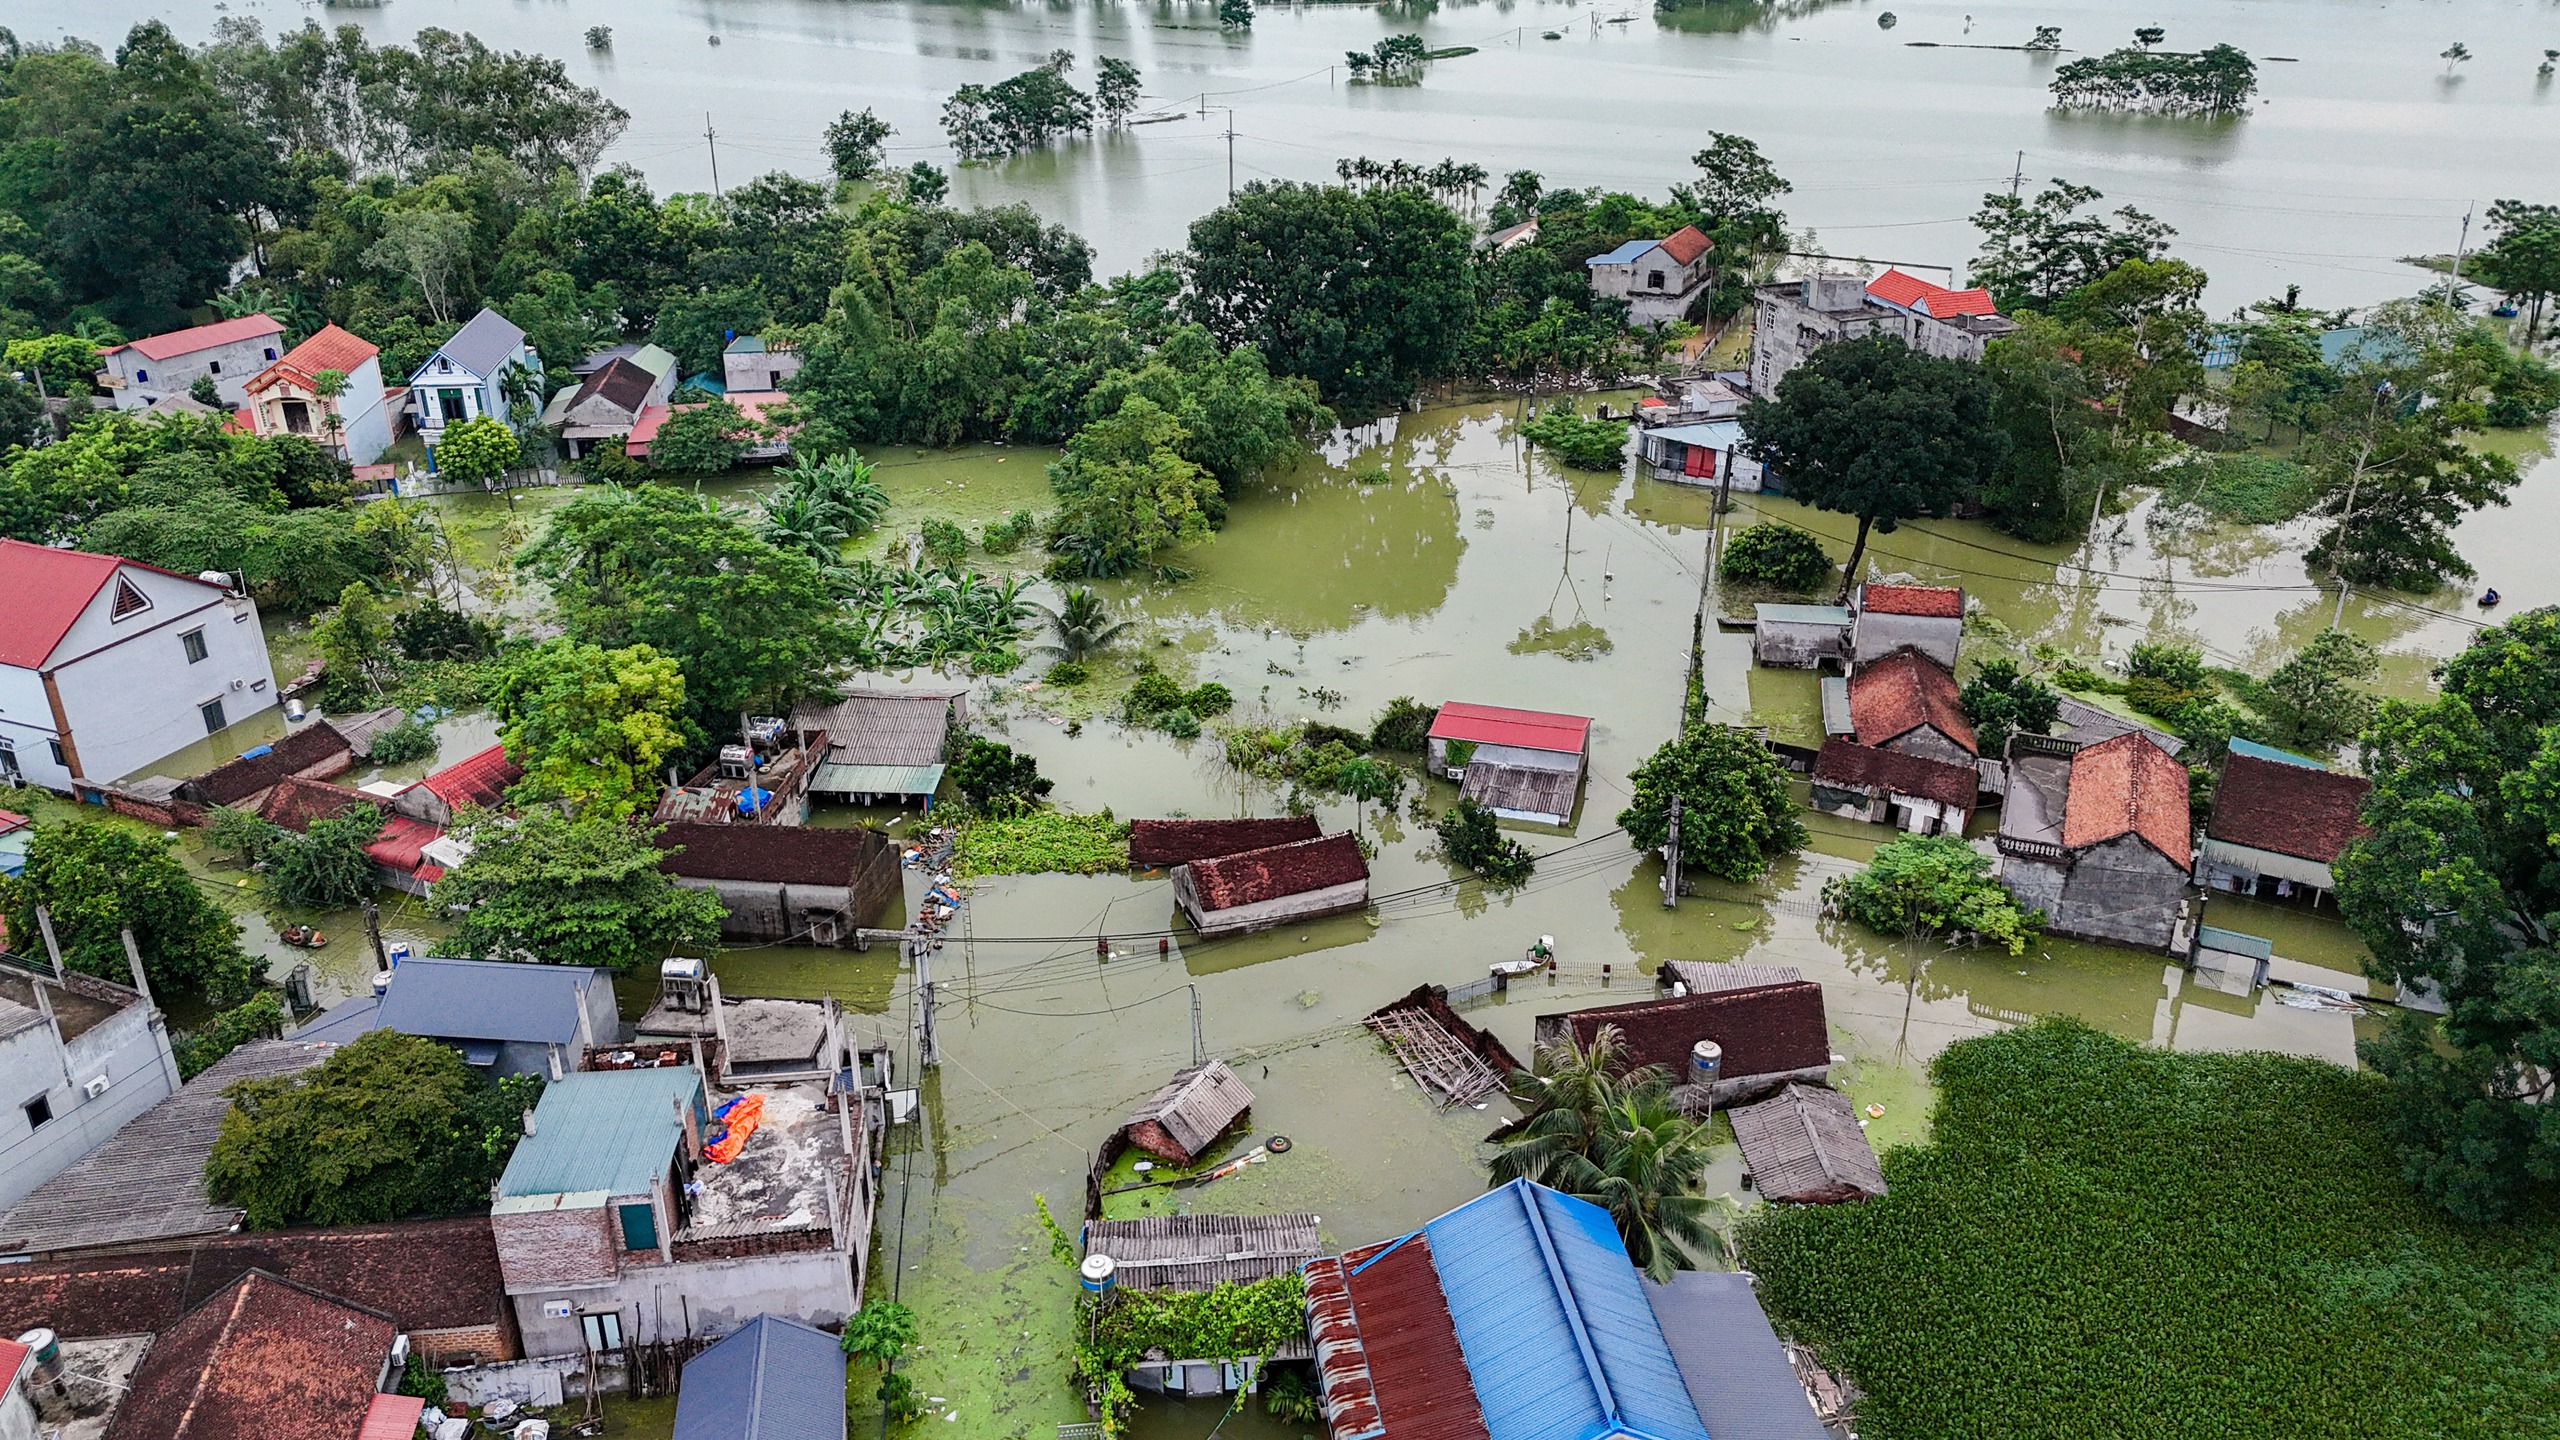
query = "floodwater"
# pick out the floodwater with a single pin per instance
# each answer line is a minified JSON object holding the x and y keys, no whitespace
{"x":2364,"y":148}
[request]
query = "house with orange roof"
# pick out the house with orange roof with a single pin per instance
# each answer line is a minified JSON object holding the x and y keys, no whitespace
{"x":2100,"y":838}
{"x":1886,"y":619}
{"x":328,"y":389}
{"x":1794,"y":318}
{"x":140,"y":373}
{"x":1659,"y":279}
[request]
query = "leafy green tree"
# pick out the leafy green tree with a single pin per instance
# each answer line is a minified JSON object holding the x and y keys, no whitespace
{"x":325,"y":867}
{"x":697,"y":328}
{"x":1583,"y":442}
{"x":880,"y":1332}
{"x":1932,"y":885}
{"x":1404,"y":726}
{"x":1080,"y":625}
{"x":1736,"y":812}
{"x":2036,"y":251}
{"x":2313,"y":702}
{"x":1024,"y":112}
{"x":68,"y":364}
{"x":1471,"y":835}
{"x":389,"y":1126}
{"x":98,"y":880}
{"x":2522,"y":257}
{"x":1777,"y":554}
{"x":1237,"y":417}
{"x":1364,"y":293}
{"x":924,"y":183}
{"x":855,"y":142}
{"x":539,"y":887}
{"x":1237,"y":13}
{"x":1874,"y":429}
{"x":2140,"y":331}
{"x":2001,"y":700}
{"x":1115,"y":81}
{"x":1125,"y":492}
{"x":703,"y":439}
{"x":433,"y":248}
{"x":256,"y":1018}
{"x":590,"y":726}
{"x":431,"y":631}
{"x":355,"y":638}
{"x":479,"y":451}
{"x":1734,"y":179}
{"x":204,"y":390}
{"x":993,"y":778}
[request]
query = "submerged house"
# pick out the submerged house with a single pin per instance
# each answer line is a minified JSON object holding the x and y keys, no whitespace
{"x":1889,"y":787}
{"x":1804,"y":1146}
{"x":754,"y":363}
{"x":792,"y":884}
{"x":2099,"y":837}
{"x":2279,"y":821}
{"x":1699,"y":452}
{"x":1800,"y":637}
{"x":1202,"y":1252}
{"x":1276,"y":885}
{"x":1887,"y":618}
{"x":1794,"y":318}
{"x":884,"y":745}
{"x":1157,"y":843}
{"x":1180,"y":1122}
{"x":1907,"y":703}
{"x":1520,"y":764}
{"x":1770,"y":1034}
{"x":83,"y":1059}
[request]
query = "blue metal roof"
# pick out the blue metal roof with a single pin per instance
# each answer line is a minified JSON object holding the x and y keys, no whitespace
{"x":487,"y":1000}
{"x":772,"y":1379}
{"x":612,"y":1132}
{"x":1624,"y":255}
{"x":1552,"y":1318}
{"x":2256,"y":751}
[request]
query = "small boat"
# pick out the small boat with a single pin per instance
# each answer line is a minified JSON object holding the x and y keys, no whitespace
{"x":2488,"y":598}
{"x":1512,"y":969}
{"x":302,"y":937}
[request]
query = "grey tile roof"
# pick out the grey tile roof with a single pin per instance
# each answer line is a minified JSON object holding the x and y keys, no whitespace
{"x":1730,"y":1358}
{"x":771,"y":1379}
{"x":479,"y":346}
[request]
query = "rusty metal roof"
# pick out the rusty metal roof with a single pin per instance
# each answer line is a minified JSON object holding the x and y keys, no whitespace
{"x":1386,"y":1350}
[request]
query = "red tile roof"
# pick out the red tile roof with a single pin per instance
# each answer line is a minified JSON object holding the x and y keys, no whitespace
{"x":1387,"y":1353}
{"x":644,"y":428}
{"x":1936,"y":602}
{"x":1687,"y":243}
{"x":392,"y":1417}
{"x":1176,"y":842}
{"x":402,"y":844}
{"x":1522,"y":729}
{"x":1898,"y":694}
{"x":331,"y":349}
{"x":480,"y":779}
{"x":265,"y":1357}
{"x":2289,"y":809}
{"x":173,"y":343}
{"x":1765,"y":1030}
{"x":1937,"y":301}
{"x":770,"y":854}
{"x":47,"y":589}
{"x":12,"y":1356}
{"x":1849,"y":765}
{"x":296,"y":802}
{"x":315,"y":745}
{"x":2128,"y":786}
{"x":1253,"y":876}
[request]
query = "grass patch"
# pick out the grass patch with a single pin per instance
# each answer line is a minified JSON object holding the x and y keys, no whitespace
{"x":2253,"y":489}
{"x":2104,"y":1240}
{"x":1042,"y":842}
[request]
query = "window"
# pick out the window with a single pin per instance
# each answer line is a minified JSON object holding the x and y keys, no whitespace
{"x":193,"y":643}
{"x":604,"y":1329}
{"x":1654,"y":279}
{"x":211,"y":710}
{"x":61,"y":757}
{"x":39,"y":1111}
{"x":141,"y":374}
{"x":297,"y":417}
{"x":129,"y":600}
{"x":213,"y":367}
{"x":639,"y":1227}
{"x":8,"y":761}
{"x":271,"y":352}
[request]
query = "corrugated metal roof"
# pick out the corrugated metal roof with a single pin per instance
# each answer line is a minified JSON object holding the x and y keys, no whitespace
{"x":1202,"y":1252}
{"x":834,"y":777}
{"x":1197,"y":1105}
{"x":1805,"y":1144}
{"x":771,"y":1379}
{"x":1712,"y":434}
{"x":1552,"y":1318}
{"x":480,"y":346}
{"x":1836,"y":719}
{"x":2256,"y":751}
{"x":1386,"y":1352}
{"x":1625,"y":254}
{"x":1736,"y":1370}
{"x":1707,"y":977}
{"x":1519,"y":790}
{"x":609,"y":1130}
{"x":1521,"y":729}
{"x":2212,"y":937}
{"x":391,"y":1417}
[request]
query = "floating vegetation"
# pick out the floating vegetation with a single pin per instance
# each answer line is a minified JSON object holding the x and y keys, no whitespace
{"x":1042,"y":842}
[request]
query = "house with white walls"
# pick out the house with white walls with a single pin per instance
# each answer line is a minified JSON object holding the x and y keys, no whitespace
{"x":467,"y":376}
{"x":345,"y":415}
{"x":138,"y":373}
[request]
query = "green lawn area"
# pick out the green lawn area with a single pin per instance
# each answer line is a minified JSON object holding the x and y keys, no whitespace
{"x":2107,"y":1241}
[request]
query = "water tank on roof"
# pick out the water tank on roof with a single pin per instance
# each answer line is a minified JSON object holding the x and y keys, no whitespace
{"x":381,"y":982}
{"x":1706,"y":1064}
{"x":737,"y":762}
{"x":1096,"y":1273}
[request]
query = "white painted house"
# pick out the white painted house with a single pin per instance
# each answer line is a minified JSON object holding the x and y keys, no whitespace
{"x":292,"y":397}
{"x":106,"y":664}
{"x":466,"y":379}
{"x":80,"y":1058}
{"x":1659,"y":279}
{"x":139,"y":372}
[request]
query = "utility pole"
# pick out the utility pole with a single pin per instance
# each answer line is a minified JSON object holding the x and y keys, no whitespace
{"x":2018,"y":176}
{"x":927,"y":1053}
{"x":1231,"y":151}
{"x":1671,"y":859}
{"x":1198,"y":1053}
{"x":373,"y":928}
{"x":711,"y":138}
{"x":2461,"y":248}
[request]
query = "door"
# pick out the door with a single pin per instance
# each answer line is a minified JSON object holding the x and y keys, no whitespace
{"x":297,"y":417}
{"x":450,"y":404}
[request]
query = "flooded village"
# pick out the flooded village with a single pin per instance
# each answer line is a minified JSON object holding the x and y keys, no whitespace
{"x":793,"y":811}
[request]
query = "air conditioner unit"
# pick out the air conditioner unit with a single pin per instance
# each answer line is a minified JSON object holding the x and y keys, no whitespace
{"x":239,"y":684}
{"x":96,"y":1087}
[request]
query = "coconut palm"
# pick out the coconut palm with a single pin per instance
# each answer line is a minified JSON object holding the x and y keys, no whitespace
{"x":1646,"y":1163}
{"x":1575,"y":1083}
{"x":1081,"y":625}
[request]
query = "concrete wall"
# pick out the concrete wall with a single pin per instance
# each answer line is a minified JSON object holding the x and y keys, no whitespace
{"x":1512,"y":755}
{"x":762,"y":910}
{"x":127,"y":687}
{"x":716,"y":1296}
{"x":1797,"y":647}
{"x":231,"y":366}
{"x":26,"y":723}
{"x":130,"y":1048}
{"x":2122,"y":890}
{"x":770,"y":370}
{"x":1786,"y":331}
{"x":1873,"y":637}
{"x":1930,"y":743}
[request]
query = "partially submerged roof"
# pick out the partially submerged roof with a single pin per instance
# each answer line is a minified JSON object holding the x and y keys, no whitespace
{"x":770,"y":1379}
{"x":265,"y":1357}
{"x":609,"y":1132}
{"x":1552,"y":1319}
{"x":1196,"y":1106}
{"x":1898,"y":694}
{"x":878,"y":726}
{"x":1849,"y":765}
{"x":1937,"y":602}
{"x":1277,"y":871}
{"x":403,"y":843}
{"x":170,"y":344}
{"x":480,"y":346}
{"x":1765,"y":1030}
{"x":1805,"y":1144}
{"x":1708,"y":434}
{"x":1202,"y":1252}
{"x":312,"y":744}
{"x":2088,"y":724}
{"x":2129,"y":786}
{"x":1521,"y":790}
{"x":494,"y":1000}
{"x":1736,"y":1370}
{"x":146,"y":1183}
{"x":295,"y":803}
{"x":1706,"y":977}
{"x":1176,"y":842}
{"x":775,"y":854}
{"x":477,"y":780}
{"x":1519,"y":729}
{"x":2285,"y":807}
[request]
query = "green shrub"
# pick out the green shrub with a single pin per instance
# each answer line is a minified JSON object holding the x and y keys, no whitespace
{"x":1583,"y":442}
{"x":1469,"y":833}
{"x":1210,"y":698}
{"x":1935,"y":885}
{"x":1039,"y":842}
{"x":944,"y":543}
{"x":1154,"y":702}
{"x":993,"y":778}
{"x":411,"y":739}
{"x":2255,"y":489}
{"x":2079,"y":677}
{"x":261,"y":1016}
{"x":1003,"y":537}
{"x":1404,"y":727}
{"x":2001,"y":700}
{"x":2179,"y":665}
{"x":1779,"y":555}
{"x":1070,"y":672}
{"x":2160,"y":698}
{"x":1179,"y":723}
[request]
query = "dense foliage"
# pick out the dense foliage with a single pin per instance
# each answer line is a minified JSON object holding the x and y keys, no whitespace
{"x":994,"y":779}
{"x":1585,"y":442}
{"x":325,"y":867}
{"x":96,"y":881}
{"x":2314,"y":702}
{"x":1778,"y":555}
{"x":389,"y":1126}
{"x":590,"y":726}
{"x":1608,"y":1132}
{"x":1404,"y":726}
{"x":1474,"y":841}
{"x":1932,"y":885}
{"x":539,"y":887}
{"x":1038,"y":842}
{"x":2002,"y":700}
{"x":1035,"y":107}
{"x":1736,"y":812}
{"x":2218,"y":81}
{"x":2096,"y":1228}
{"x":1155,"y":702}
{"x":256,"y":1018}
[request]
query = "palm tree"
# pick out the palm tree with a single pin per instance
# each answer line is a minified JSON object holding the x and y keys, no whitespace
{"x":1647,"y":1160}
{"x":1082,"y":626}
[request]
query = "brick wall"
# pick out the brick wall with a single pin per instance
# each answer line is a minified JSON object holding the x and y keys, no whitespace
{"x":477,"y":1344}
{"x":538,"y":1248}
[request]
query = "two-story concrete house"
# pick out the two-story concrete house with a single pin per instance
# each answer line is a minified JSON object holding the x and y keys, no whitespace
{"x":1659,"y":279}
{"x":1794,"y":318}
{"x":2099,"y":837}
{"x":467,"y":378}
{"x":753,"y":363}
{"x":1887,"y":618}
{"x":139,"y":372}
{"x":643,"y":1206}
{"x":108,"y":664}
{"x":292,"y":397}
{"x":79,"y":1058}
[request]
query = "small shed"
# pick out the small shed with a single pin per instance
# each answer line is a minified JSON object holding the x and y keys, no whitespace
{"x":1180,"y":1122}
{"x":1928,"y":618}
{"x":885,"y":744}
{"x":1522,"y":792}
{"x":1800,"y":637}
{"x":1154,"y":843}
{"x":1275,"y":885}
{"x":769,"y":1379}
{"x":2230,"y":961}
{"x":1804,"y":1144}
{"x":1706,"y":977}
{"x":2085,"y":724}
{"x":1202,"y":1252}
{"x":1699,"y":452}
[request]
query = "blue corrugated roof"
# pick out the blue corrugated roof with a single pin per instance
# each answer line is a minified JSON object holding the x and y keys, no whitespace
{"x":2234,"y":942}
{"x":611,"y":1131}
{"x":490,"y":1000}
{"x":1624,"y":255}
{"x":1552,"y":1318}
{"x":773,"y":1379}
{"x":2256,"y":751}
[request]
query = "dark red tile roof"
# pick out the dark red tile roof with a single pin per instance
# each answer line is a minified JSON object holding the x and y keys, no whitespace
{"x":1937,"y":602}
{"x":296,"y":802}
{"x":1175,"y":842}
{"x":1764,"y":1030}
{"x":2289,"y":809}
{"x":2129,"y":786}
{"x":1275,"y":871}
{"x":426,"y":1274}
{"x":235,"y":780}
{"x":480,"y":780}
{"x":1386,"y":1350}
{"x":1896,"y":287}
{"x":264,"y":1357}
{"x":774,"y":854}
{"x":1849,"y":765}
{"x":1687,"y":243}
{"x":1898,"y":694}
{"x":623,"y":385}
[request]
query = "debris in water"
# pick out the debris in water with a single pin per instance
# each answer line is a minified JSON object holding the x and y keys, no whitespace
{"x":1307,"y":999}
{"x":1875,"y":1112}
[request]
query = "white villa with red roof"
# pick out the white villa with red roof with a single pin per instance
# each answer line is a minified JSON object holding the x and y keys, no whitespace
{"x":106,"y":664}
{"x":155,"y":367}
{"x":1520,"y":764}
{"x":285,"y":397}
{"x":1797,"y":317}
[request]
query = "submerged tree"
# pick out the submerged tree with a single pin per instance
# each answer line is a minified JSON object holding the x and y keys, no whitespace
{"x":1736,"y":812}
{"x":2218,"y":81}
